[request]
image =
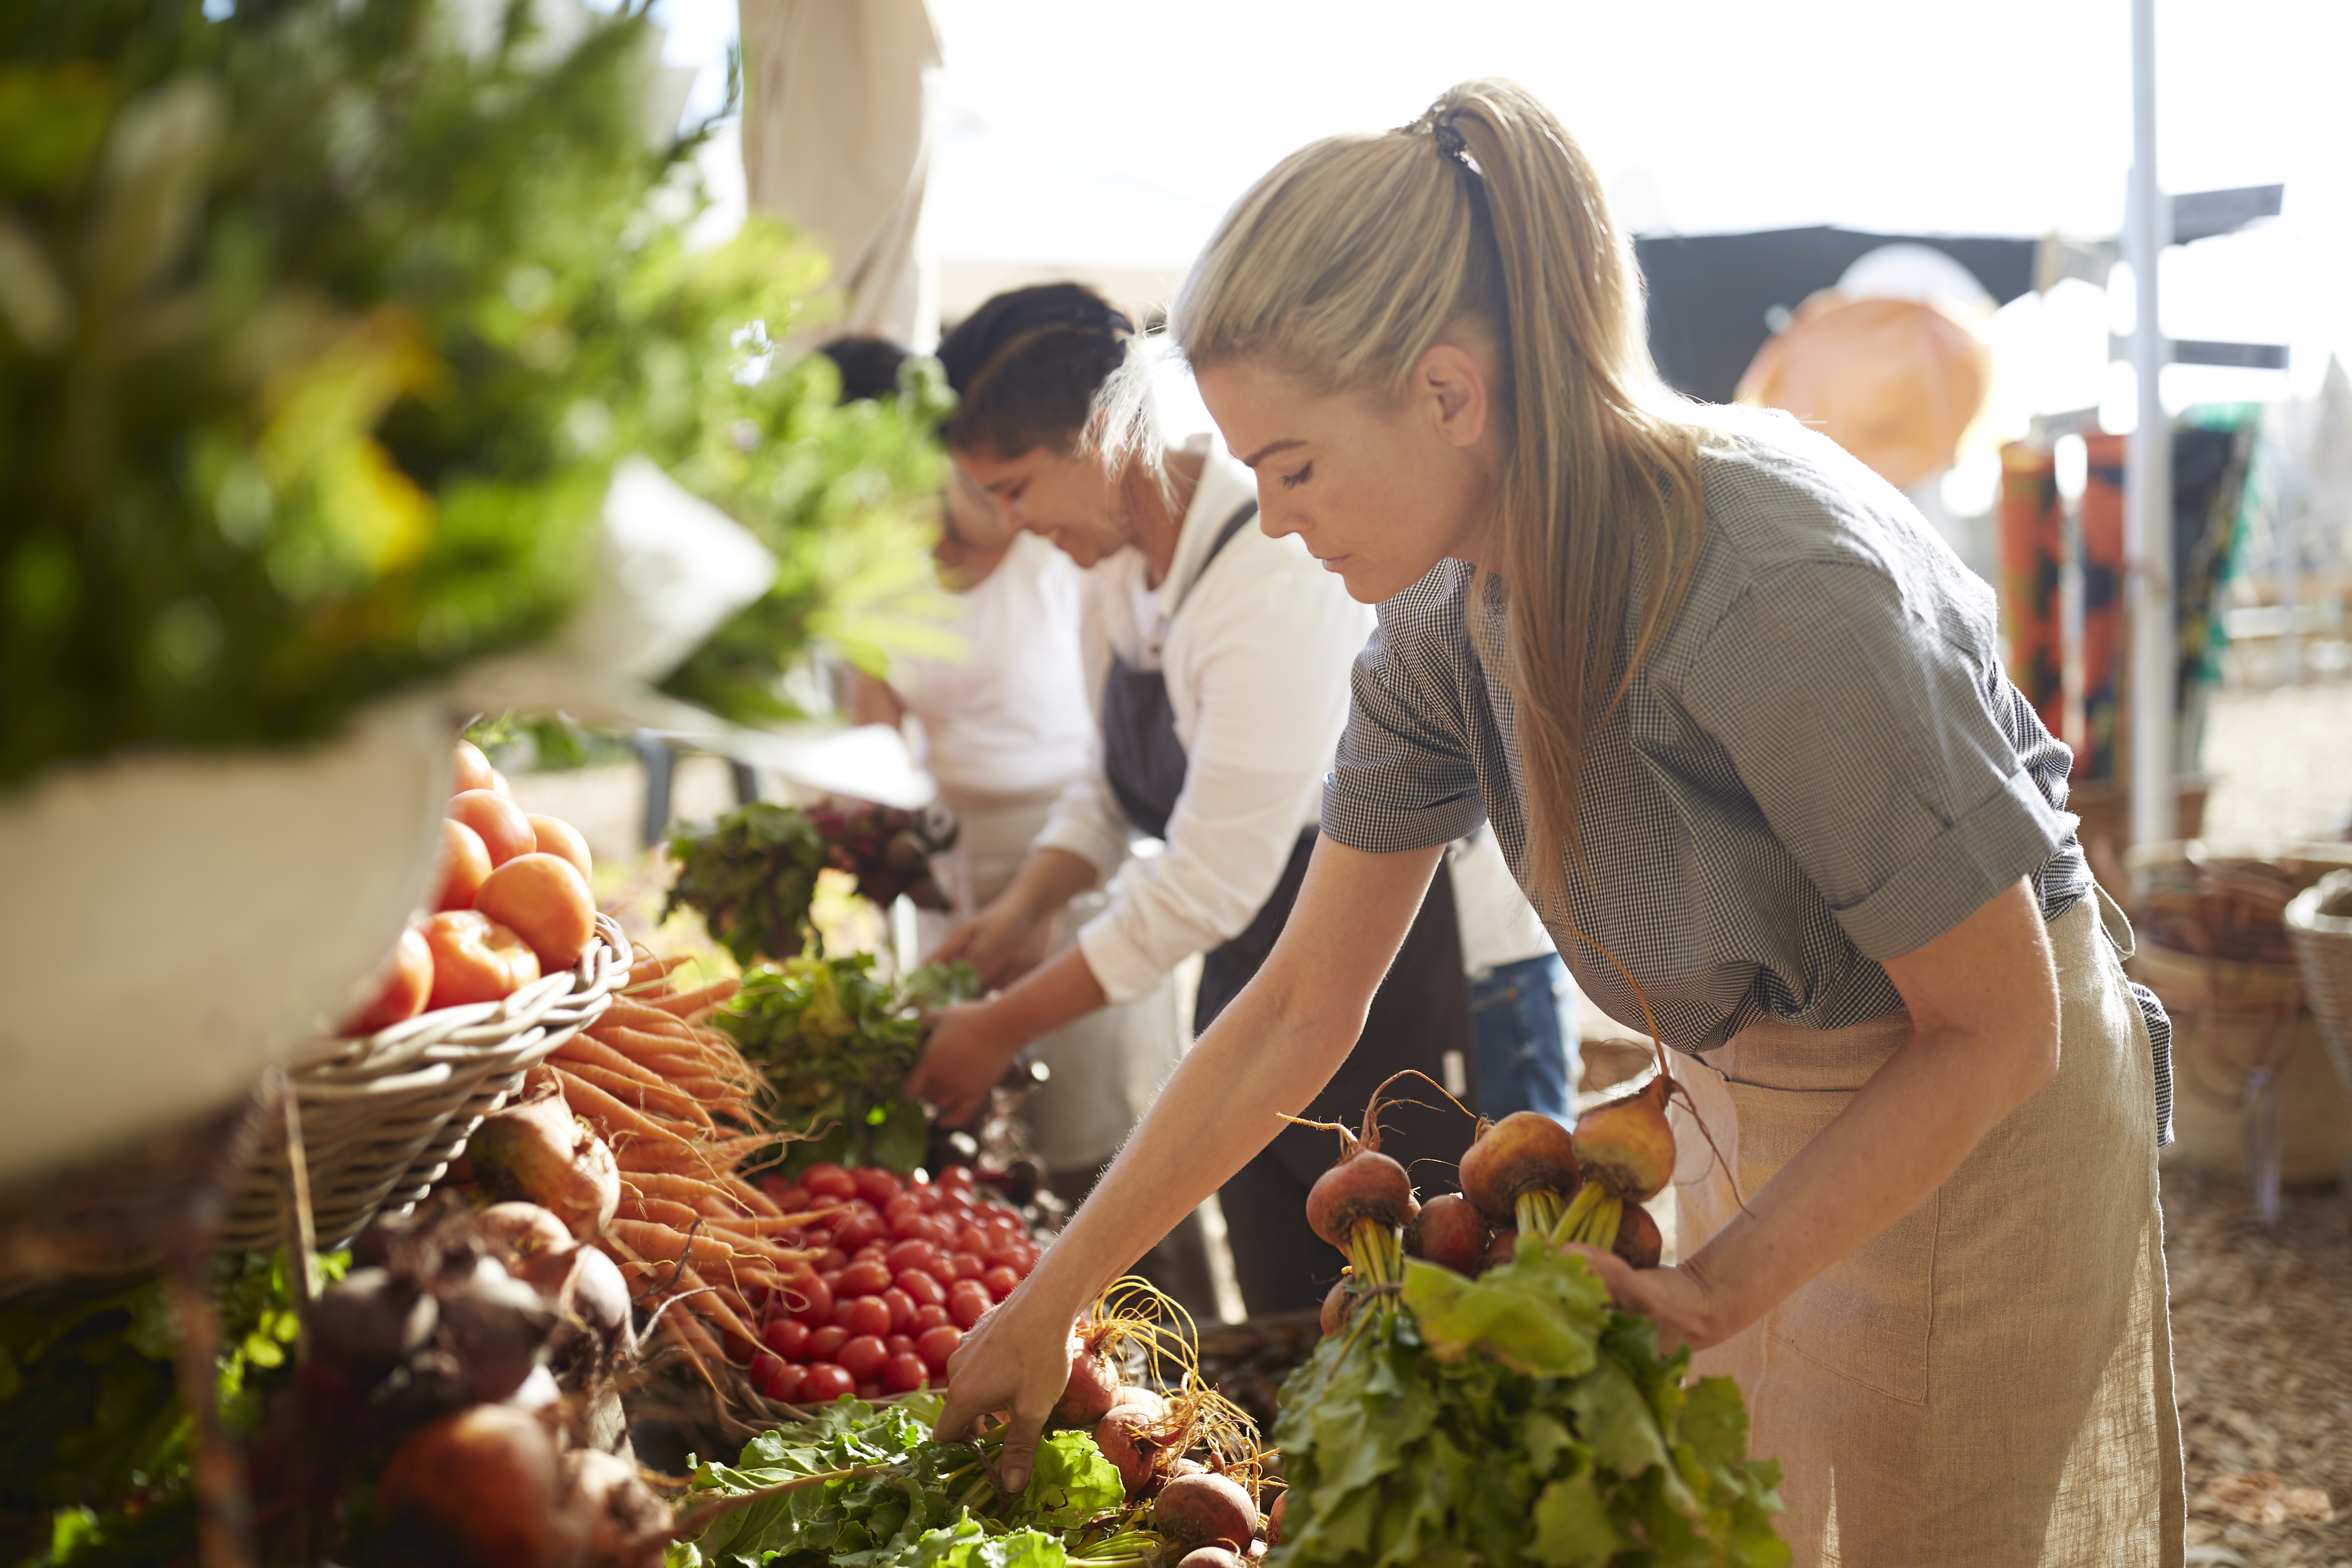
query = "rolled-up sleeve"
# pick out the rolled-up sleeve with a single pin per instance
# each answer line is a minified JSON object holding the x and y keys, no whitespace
{"x":1872,"y":743}
{"x":1402,"y":778}
{"x":1265,"y":669}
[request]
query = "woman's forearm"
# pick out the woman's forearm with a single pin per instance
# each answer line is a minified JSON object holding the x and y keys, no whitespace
{"x":1049,"y":996}
{"x":1049,"y":878}
{"x":1903,"y":1133}
{"x":1983,"y":1000}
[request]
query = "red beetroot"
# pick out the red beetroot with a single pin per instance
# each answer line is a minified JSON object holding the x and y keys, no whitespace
{"x":1338,"y":1306}
{"x":1195,"y":1510}
{"x":1501,"y":1250}
{"x":1093,"y":1388}
{"x":1638,"y":1241}
{"x":1448,"y":1230}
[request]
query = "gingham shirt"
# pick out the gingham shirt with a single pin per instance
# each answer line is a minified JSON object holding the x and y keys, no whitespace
{"x":1821,"y":764}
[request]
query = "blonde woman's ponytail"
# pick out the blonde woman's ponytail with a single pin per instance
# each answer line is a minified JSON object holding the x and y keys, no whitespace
{"x":1354,"y":255}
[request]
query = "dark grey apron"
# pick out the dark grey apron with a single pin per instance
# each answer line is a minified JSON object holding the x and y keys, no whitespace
{"x":1420,"y":1012}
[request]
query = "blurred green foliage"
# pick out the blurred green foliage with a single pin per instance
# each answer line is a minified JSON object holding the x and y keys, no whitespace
{"x":320,"y":328}
{"x":94,"y":1446}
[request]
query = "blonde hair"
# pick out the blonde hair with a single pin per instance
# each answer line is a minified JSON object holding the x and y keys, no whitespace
{"x":1356,"y":254}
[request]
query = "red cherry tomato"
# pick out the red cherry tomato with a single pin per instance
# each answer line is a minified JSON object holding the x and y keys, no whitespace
{"x":793,"y":1198}
{"x":935,"y":1345}
{"x":929,"y":1318}
{"x":1000,"y":1281}
{"x":776,"y":1186}
{"x":788,"y":1337}
{"x":875,"y":1184}
{"x":831,"y":1277}
{"x":862,"y":1357}
{"x":764,"y":1366}
{"x":823,"y":1344}
{"x":827,"y":1180}
{"x":897,"y":1344}
{"x":832,"y":1261}
{"x":919,"y":1255}
{"x":956,"y":1177}
{"x":858,"y":1224}
{"x":965,"y":1265}
{"x":904,"y":1372}
{"x":923,"y":1289}
{"x":818,"y":1297}
{"x":824,"y":1382}
{"x":941,"y":1229}
{"x":967,"y":1302}
{"x":864,"y":1280}
{"x":902,"y":1310}
{"x":1023,"y":1262}
{"x":863,"y":1315}
{"x":972,"y":1238}
{"x":870,"y":1392}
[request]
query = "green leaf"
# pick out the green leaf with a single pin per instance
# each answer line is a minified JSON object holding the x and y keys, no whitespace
{"x":1572,"y":1528}
{"x":1071,"y":1484}
{"x":1540,"y":1315}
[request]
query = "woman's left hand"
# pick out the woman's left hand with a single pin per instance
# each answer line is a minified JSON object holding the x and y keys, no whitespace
{"x":966,"y":1051}
{"x":1689,"y":1311}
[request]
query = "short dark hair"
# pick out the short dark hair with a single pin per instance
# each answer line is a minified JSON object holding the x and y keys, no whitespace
{"x":1026,"y":367}
{"x":869,"y":366}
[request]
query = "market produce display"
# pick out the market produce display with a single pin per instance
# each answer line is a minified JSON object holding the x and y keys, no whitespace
{"x":1164,"y":1475}
{"x":1480,"y":1399}
{"x":833,"y":1042}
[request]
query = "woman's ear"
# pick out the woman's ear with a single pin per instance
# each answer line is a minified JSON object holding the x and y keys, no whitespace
{"x":1450,"y":383}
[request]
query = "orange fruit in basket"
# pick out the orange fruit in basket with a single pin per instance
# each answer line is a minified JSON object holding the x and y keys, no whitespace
{"x":472,"y":769}
{"x":505,"y":830}
{"x":557,"y":836}
{"x":402,"y":982}
{"x":475,"y":959}
{"x":464,"y":862}
{"x":544,"y":898}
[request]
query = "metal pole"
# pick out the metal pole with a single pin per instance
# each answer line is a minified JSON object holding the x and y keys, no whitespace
{"x":2148,"y":478}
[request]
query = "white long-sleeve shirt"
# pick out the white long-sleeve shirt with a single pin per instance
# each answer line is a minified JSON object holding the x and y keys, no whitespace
{"x":1257,"y":666}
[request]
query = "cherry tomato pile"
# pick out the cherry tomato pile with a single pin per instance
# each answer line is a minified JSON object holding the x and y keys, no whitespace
{"x":908,"y":1267}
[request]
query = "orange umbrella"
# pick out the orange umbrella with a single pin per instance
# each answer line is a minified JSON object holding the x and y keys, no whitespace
{"x":1894,"y":382}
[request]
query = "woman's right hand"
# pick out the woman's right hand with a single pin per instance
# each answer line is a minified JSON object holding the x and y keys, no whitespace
{"x":1016,"y":1361}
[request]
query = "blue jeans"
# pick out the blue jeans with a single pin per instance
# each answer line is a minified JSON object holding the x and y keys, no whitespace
{"x":1526,"y":1038}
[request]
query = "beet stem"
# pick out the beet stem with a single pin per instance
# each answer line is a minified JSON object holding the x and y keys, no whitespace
{"x":1538,"y":1210}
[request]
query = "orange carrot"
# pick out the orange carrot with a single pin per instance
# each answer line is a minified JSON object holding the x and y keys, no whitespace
{"x":590,"y":1100}
{"x":685,"y":1003}
{"x":679,"y":1189}
{"x":652,"y":1097}
{"x":594,"y":1052}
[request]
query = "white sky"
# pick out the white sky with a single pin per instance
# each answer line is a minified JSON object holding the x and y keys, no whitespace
{"x":1144,"y":119}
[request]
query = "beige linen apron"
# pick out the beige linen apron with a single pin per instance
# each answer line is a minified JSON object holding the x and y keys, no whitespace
{"x":1108,"y":1067}
{"x":1987,"y":1383}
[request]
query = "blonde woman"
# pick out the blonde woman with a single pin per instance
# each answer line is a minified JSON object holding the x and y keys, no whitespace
{"x":1733,"y":709}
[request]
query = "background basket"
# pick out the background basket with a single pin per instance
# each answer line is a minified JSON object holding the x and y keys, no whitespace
{"x":382,"y":1116}
{"x":2319,"y":922}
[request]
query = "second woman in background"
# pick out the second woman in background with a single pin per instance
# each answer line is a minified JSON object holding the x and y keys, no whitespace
{"x":1005,"y":729}
{"x":1216,"y":659}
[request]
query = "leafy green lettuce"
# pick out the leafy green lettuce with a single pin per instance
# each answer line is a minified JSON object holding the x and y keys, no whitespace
{"x":895,"y":1499}
{"x":1518,"y":1417}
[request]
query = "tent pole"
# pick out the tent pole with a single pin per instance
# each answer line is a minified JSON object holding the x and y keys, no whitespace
{"x":2148,"y":480}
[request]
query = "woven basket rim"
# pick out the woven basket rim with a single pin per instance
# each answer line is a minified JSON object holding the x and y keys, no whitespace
{"x":2303,"y":916}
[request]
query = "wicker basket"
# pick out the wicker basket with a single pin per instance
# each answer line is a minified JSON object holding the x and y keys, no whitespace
{"x":381,"y":1117}
{"x":2319,"y":922}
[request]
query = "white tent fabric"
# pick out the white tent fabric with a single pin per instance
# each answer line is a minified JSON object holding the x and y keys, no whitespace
{"x":842,"y":100}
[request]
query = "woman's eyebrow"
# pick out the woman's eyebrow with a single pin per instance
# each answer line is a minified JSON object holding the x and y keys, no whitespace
{"x":1263,"y":453}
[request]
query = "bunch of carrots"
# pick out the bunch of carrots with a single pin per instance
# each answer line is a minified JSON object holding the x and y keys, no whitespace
{"x":679,"y":1108}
